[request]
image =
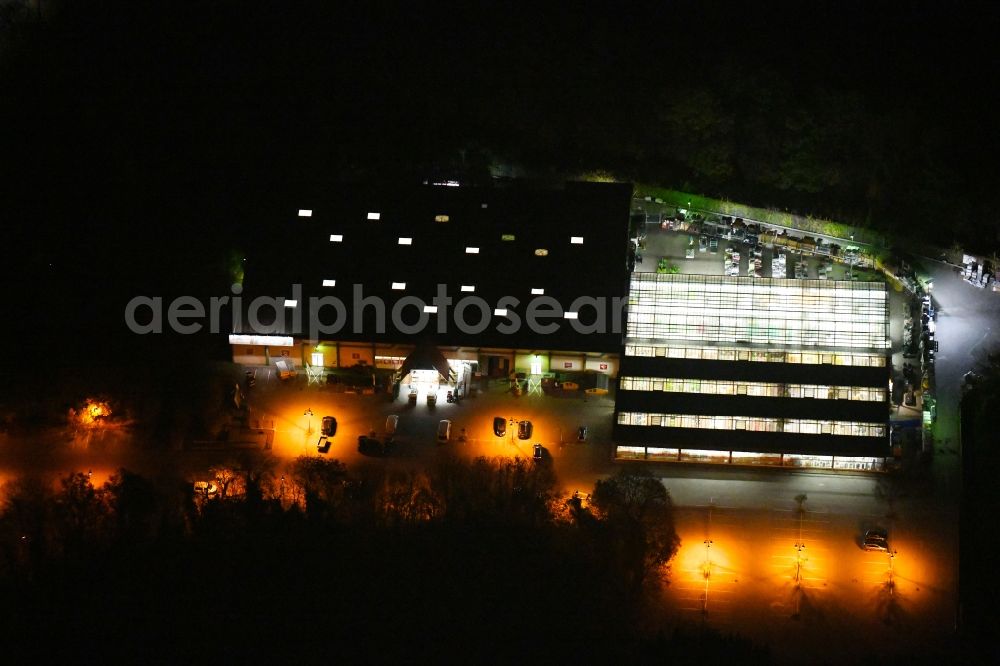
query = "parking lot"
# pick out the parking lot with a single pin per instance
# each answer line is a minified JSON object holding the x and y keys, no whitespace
{"x":555,"y":420}
{"x":674,"y":245}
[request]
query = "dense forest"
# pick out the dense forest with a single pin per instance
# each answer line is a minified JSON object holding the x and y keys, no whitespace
{"x":471,"y":561}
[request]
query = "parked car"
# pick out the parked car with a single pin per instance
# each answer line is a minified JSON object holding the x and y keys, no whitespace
{"x":499,"y":426}
{"x":524,"y":429}
{"x":370,"y":446}
{"x":876,"y":539}
{"x":581,"y":434}
{"x":444,"y":430}
{"x":713,"y":245}
{"x":538,"y":453}
{"x":329,"y":427}
{"x":323,"y":444}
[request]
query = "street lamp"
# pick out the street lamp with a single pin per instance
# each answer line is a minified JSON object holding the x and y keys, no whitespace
{"x":892,"y":584}
{"x":308,"y":413}
{"x":706,"y":574}
{"x":799,"y":547}
{"x":513,"y":422}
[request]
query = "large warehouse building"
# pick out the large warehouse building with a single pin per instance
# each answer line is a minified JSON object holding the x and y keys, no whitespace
{"x":385,"y":254}
{"x":709,"y":368}
{"x":755,"y":371}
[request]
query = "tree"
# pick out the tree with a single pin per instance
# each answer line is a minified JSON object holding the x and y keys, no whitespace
{"x":229,"y":480}
{"x":322,"y":480}
{"x":639,"y":511}
{"x":27,"y":522}
{"x":509,"y":489}
{"x":134,"y":503}
{"x":82,"y":512}
{"x":406,"y":498}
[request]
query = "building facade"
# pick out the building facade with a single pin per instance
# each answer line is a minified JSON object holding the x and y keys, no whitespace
{"x":755,"y":371}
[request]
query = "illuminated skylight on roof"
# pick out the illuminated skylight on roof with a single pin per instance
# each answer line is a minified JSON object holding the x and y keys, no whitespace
{"x":399,"y":286}
{"x":537,"y":292}
{"x":506,"y":237}
{"x":576,"y":240}
{"x":305,"y":212}
{"x":374,"y":216}
{"x":570,"y":315}
{"x":472,"y":250}
{"x":541,"y":252}
{"x":500,"y":312}
{"x":336,"y":238}
{"x":291,"y":303}
{"x":329,"y":283}
{"x":468,"y":287}
{"x":430,"y":309}
{"x":441,"y":218}
{"x":405,"y":241}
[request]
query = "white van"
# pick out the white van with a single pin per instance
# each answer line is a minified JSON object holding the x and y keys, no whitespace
{"x":444,"y":430}
{"x":391,"y":422}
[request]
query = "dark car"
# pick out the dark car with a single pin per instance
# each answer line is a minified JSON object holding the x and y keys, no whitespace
{"x":499,"y":426}
{"x":581,"y":434}
{"x":370,"y":446}
{"x":524,"y":430}
{"x":538,"y":453}
{"x":329,"y":428}
{"x":876,"y":539}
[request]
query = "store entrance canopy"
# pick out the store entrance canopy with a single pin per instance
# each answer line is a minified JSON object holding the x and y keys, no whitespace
{"x":426,"y":357}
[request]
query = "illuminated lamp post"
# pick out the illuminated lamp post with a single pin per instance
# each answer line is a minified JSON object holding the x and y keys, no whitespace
{"x":799,"y":547}
{"x":308,"y":413}
{"x":706,"y":574}
{"x":891,"y":583}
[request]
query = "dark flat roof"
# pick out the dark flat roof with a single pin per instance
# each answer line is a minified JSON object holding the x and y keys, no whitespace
{"x":369,"y":254}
